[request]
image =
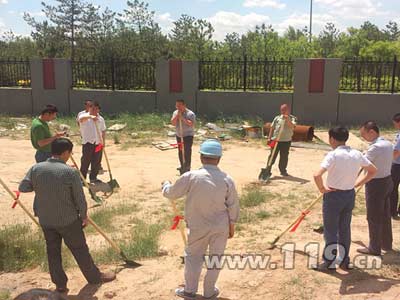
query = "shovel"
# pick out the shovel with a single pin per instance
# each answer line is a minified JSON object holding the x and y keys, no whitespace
{"x":265,"y":173}
{"x":128,"y":262}
{"x":16,"y":199}
{"x":113,"y":182}
{"x":182,"y":146}
{"x":293,"y":226}
{"x":96,"y":198}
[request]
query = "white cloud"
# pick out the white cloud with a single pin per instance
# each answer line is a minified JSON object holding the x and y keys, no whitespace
{"x":299,"y":21}
{"x":353,"y":9}
{"x":3,"y":1}
{"x":227,"y":22}
{"x":165,"y":21}
{"x":264,"y":3}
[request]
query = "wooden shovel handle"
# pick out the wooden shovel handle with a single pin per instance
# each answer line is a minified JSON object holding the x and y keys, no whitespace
{"x":15,"y":198}
{"x":99,"y":230}
{"x":278,"y":138}
{"x":182,"y":141}
{"x":181,"y":229}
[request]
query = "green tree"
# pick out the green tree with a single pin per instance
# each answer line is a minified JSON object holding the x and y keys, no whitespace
{"x":327,"y":40}
{"x":191,"y":38}
{"x":65,"y":17}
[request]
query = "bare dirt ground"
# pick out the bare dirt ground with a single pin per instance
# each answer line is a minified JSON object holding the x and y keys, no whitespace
{"x":140,"y":171}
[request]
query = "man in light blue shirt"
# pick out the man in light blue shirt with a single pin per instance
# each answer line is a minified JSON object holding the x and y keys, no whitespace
{"x":377,"y":191}
{"x":394,"y":198}
{"x":184,"y":121}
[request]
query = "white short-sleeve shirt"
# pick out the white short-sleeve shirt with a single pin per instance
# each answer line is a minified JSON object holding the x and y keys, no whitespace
{"x":88,"y":129}
{"x":343,"y":165}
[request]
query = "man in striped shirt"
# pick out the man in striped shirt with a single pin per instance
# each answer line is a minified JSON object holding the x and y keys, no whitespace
{"x":62,"y":211}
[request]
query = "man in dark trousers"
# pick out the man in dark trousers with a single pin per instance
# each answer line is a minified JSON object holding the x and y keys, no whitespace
{"x":342,"y":165}
{"x":288,"y":122}
{"x":92,"y":141}
{"x":378,"y":190}
{"x":62,"y":211}
{"x":41,"y":136}
{"x":394,"y":197}
{"x":184,"y":120}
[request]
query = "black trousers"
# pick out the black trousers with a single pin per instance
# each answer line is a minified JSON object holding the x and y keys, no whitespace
{"x":74,"y":239}
{"x":394,"y":197}
{"x":377,"y":196}
{"x":188,"y":143}
{"x":90,"y":158}
{"x":283,"y":150}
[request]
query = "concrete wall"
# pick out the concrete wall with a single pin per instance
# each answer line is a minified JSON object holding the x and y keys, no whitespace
{"x":265,"y":105}
{"x":316,"y":108}
{"x":190,"y":85}
{"x":311,"y":108}
{"x":16,"y":101}
{"x":115,"y":101}
{"x":58,"y":96}
{"x":355,"y":108}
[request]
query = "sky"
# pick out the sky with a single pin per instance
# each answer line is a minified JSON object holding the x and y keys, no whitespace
{"x":232,"y":15}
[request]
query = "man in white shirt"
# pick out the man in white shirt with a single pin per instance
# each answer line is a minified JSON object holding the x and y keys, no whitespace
{"x":343,"y":165}
{"x":211,"y":211}
{"x":88,"y":105}
{"x":378,"y":190}
{"x":91,"y":141}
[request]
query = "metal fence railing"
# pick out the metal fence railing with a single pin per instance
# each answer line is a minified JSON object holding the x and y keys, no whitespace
{"x":246,"y":74}
{"x":15,"y":73}
{"x":360,"y":75}
{"x":114,"y":75}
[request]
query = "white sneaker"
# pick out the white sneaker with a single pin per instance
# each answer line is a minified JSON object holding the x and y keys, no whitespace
{"x":180,"y":292}
{"x":216,"y":293}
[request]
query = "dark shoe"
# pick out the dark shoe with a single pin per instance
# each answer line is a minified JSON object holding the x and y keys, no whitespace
{"x":107,"y":277}
{"x":285,"y":174}
{"x":62,"y":289}
{"x":366,"y":251}
{"x":346,"y":266}
{"x":396,"y":218}
{"x":325,"y":266}
{"x":180,"y":292}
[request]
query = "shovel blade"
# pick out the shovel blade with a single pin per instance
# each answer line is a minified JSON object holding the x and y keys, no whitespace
{"x":265,"y":174}
{"x":113,"y":184}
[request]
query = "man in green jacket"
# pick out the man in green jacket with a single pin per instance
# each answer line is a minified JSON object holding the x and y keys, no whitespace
{"x":288,"y":122}
{"x":41,"y":137}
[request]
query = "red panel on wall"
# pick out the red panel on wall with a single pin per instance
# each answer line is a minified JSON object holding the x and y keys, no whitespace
{"x":49,"y":80}
{"x":175,"y":76}
{"x":317,"y":73}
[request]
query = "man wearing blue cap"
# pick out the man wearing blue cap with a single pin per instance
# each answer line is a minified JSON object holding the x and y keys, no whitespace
{"x":211,"y":210}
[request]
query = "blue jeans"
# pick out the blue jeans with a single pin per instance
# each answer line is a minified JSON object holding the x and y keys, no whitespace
{"x":337,"y":209}
{"x":41,"y":156}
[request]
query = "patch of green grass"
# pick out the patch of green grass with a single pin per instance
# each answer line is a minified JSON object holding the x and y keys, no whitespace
{"x":246,"y":217}
{"x":21,"y":248}
{"x":104,"y":216}
{"x":141,"y":122}
{"x":262,"y":214}
{"x":5,"y":295}
{"x":254,"y":196}
{"x":7,"y":122}
{"x":142,"y":242}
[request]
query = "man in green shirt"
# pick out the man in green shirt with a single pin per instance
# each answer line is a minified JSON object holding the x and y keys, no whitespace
{"x":288,"y":122}
{"x":41,"y":137}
